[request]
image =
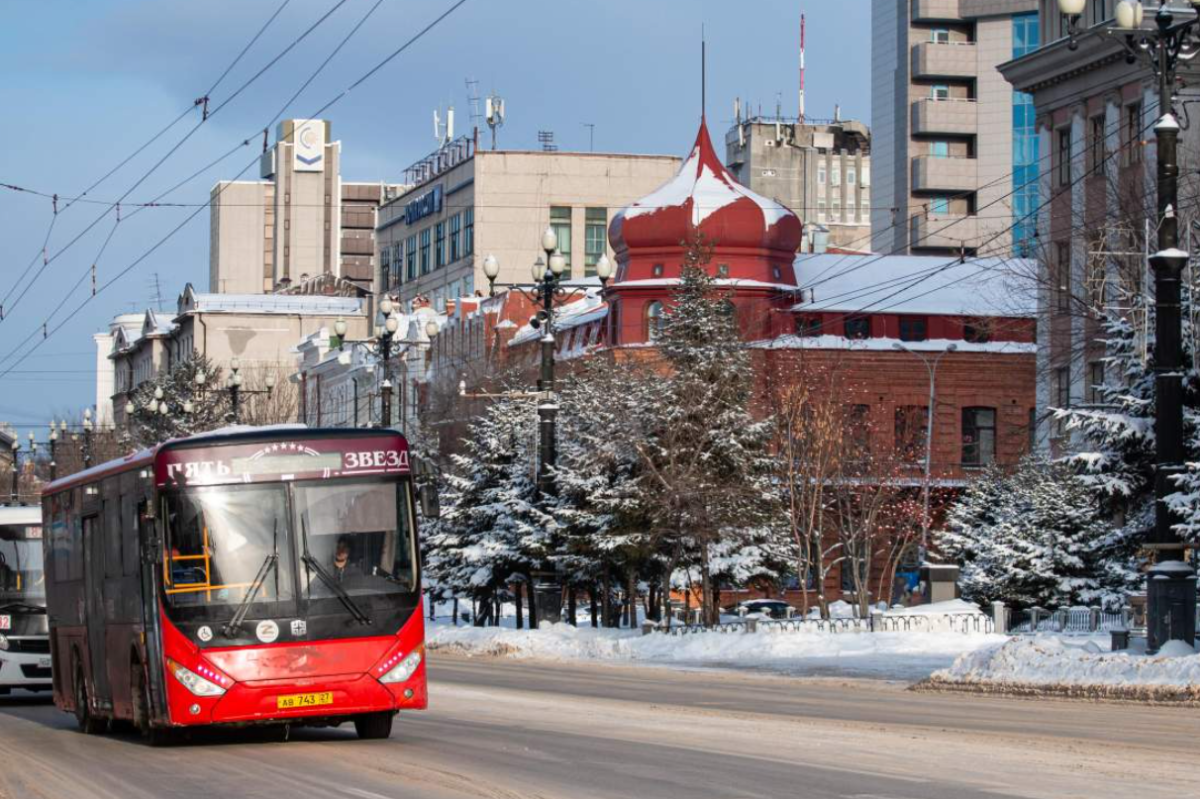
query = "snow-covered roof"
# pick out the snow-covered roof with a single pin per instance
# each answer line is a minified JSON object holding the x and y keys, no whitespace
{"x":590,"y":308}
{"x":915,"y":284}
{"x":829,"y":342}
{"x":315,"y":304}
{"x":704,"y":196}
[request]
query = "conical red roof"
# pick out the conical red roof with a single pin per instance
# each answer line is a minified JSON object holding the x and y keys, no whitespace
{"x":704,"y":196}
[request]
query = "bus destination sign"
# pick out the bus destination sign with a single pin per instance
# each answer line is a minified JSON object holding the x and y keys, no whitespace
{"x":304,"y":459}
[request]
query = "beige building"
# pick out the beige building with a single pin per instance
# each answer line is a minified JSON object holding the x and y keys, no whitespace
{"x":822,"y":171}
{"x":262,"y":331}
{"x":951,"y":146}
{"x":466,"y":204}
{"x":299,"y":222}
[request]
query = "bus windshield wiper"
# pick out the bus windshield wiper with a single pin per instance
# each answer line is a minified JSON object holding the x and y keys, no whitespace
{"x":270,"y":563}
{"x":327,"y":578}
{"x":19,"y":604}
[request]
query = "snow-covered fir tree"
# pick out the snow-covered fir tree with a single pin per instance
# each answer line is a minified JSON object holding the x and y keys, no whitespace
{"x":210,"y":409}
{"x":492,"y":529}
{"x":1035,"y":536}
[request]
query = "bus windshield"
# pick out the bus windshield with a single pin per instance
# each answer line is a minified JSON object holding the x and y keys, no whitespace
{"x":21,"y":575}
{"x":217,"y":541}
{"x":357,"y":534}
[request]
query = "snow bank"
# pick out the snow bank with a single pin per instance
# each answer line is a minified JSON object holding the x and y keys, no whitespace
{"x":901,"y":655}
{"x":1077,"y":668}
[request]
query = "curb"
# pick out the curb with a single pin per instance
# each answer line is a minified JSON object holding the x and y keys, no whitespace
{"x":1174,"y":695}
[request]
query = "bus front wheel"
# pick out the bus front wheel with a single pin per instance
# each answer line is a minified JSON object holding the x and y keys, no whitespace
{"x":140,"y":692}
{"x":88,"y":724}
{"x":374,"y":726}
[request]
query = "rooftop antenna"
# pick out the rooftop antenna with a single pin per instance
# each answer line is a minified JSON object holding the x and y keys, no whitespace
{"x":495,"y":115}
{"x":473,"y":98}
{"x":801,"y":69}
{"x":591,"y":126}
{"x":546,"y":139}
{"x":703,"y":87}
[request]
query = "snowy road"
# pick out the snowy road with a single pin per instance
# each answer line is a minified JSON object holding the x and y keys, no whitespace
{"x":525,"y":729}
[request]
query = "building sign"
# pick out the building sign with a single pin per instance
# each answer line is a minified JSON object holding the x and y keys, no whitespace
{"x":428,"y":203}
{"x":308,"y":152}
{"x":304,"y":459}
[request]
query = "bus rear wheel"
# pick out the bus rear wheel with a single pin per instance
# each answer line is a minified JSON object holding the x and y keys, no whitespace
{"x":88,"y":724}
{"x":374,"y":726}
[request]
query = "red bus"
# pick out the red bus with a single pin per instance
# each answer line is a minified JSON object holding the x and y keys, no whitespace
{"x":262,"y":577}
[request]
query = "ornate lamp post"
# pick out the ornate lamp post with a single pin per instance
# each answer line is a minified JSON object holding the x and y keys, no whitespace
{"x":234,"y":387}
{"x":1171,"y":584}
{"x":547,"y":275}
{"x":53,"y":439}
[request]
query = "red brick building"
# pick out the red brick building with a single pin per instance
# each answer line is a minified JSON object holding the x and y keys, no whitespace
{"x":881,"y":321}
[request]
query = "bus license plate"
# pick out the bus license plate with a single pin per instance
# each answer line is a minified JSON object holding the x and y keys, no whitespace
{"x":43,"y":663}
{"x":303,"y":700}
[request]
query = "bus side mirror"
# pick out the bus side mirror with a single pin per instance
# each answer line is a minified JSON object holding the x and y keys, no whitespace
{"x":431,"y":507}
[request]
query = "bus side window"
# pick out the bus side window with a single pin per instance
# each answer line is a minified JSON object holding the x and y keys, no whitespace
{"x":112,"y":538}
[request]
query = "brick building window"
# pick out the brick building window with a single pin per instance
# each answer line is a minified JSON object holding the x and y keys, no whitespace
{"x":977,"y":331}
{"x":913,"y":328}
{"x":911,"y":423}
{"x":857,"y":327}
{"x":1096,"y":144}
{"x":654,"y":321}
{"x":978,"y":436}
{"x":808,"y":326}
{"x":858,"y":434}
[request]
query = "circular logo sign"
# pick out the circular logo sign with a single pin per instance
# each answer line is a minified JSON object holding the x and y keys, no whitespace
{"x":204,"y":633}
{"x":267,"y":631}
{"x":308,"y":137}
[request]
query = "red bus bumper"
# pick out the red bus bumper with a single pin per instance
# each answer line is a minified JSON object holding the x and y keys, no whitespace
{"x":342,"y":675}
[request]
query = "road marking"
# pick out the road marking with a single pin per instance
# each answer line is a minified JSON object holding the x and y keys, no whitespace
{"x":365,"y":794}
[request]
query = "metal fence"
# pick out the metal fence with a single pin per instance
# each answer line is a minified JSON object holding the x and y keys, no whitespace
{"x":965,"y":623}
{"x":1070,"y":621}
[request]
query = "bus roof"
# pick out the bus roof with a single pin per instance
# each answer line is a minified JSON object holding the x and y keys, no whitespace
{"x":233,"y":434}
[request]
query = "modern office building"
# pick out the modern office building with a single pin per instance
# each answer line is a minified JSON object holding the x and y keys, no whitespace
{"x":820,"y":170}
{"x":954,"y":147}
{"x":1093,"y":113}
{"x":465,"y":204}
{"x":300,"y":221}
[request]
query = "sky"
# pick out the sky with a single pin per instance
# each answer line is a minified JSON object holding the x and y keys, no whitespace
{"x":88,"y":82}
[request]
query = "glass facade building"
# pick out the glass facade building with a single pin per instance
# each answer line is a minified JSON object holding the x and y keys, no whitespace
{"x":1026,"y":38}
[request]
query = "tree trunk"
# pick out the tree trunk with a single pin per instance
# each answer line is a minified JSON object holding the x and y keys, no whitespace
{"x":651,"y":603}
{"x":517,"y":591}
{"x":666,"y":597}
{"x":633,"y":622}
{"x":455,"y":611}
{"x":499,"y":598}
{"x":571,"y":600}
{"x":706,"y":601}
{"x":592,"y":602}
{"x":533,"y":610}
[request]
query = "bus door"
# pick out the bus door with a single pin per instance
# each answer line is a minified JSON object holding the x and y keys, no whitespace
{"x":93,"y":582}
{"x":150,"y":547}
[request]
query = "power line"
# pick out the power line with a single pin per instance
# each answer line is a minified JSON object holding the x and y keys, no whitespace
{"x":48,"y":331}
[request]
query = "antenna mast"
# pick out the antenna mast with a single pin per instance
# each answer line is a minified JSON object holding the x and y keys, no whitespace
{"x":801,"y":69}
{"x":703,"y":88}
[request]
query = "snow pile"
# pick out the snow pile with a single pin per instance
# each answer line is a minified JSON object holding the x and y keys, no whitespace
{"x":908,"y":655}
{"x":1053,"y":665}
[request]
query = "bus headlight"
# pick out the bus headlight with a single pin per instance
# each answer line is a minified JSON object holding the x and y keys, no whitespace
{"x":404,"y":669}
{"x":193,"y":682}
{"x":3,"y":643}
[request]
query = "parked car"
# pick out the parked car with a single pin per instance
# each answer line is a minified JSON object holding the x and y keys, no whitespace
{"x":775,"y":608}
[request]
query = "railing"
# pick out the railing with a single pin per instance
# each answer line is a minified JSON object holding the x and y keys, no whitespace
{"x":965,"y":623}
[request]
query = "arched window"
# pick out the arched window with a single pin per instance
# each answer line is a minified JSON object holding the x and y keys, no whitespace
{"x":654,"y":321}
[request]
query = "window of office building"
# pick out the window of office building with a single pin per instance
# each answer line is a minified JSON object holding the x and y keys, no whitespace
{"x":560,"y":222}
{"x":440,"y":245}
{"x":595,"y":238}
{"x":1064,"y":157}
{"x":410,"y":257}
{"x":455,"y":237}
{"x":397,"y":263}
{"x":1062,"y":275}
{"x":425,"y":239}
{"x":821,"y":210}
{"x":1133,"y":133}
{"x":851,"y":175}
{"x":1096,"y":382}
{"x":385,"y":267}
{"x":835,"y":175}
{"x":1062,"y":387}
{"x":821,"y":175}
{"x":939,"y":92}
{"x":939,"y":35}
{"x":1096,"y":146}
{"x":939,"y":206}
{"x":978,"y":436}
{"x":939,"y":149}
{"x":1026,"y":157}
{"x":468,"y":231}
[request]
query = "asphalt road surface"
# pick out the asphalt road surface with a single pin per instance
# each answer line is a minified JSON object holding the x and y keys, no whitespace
{"x":510,"y":729}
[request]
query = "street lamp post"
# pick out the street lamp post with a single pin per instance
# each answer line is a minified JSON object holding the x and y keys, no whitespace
{"x":53,"y":439}
{"x":931,"y":368}
{"x":200,"y":379}
{"x":87,"y":438}
{"x":390,"y":325}
{"x":16,"y":454}
{"x":1172,"y":40}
